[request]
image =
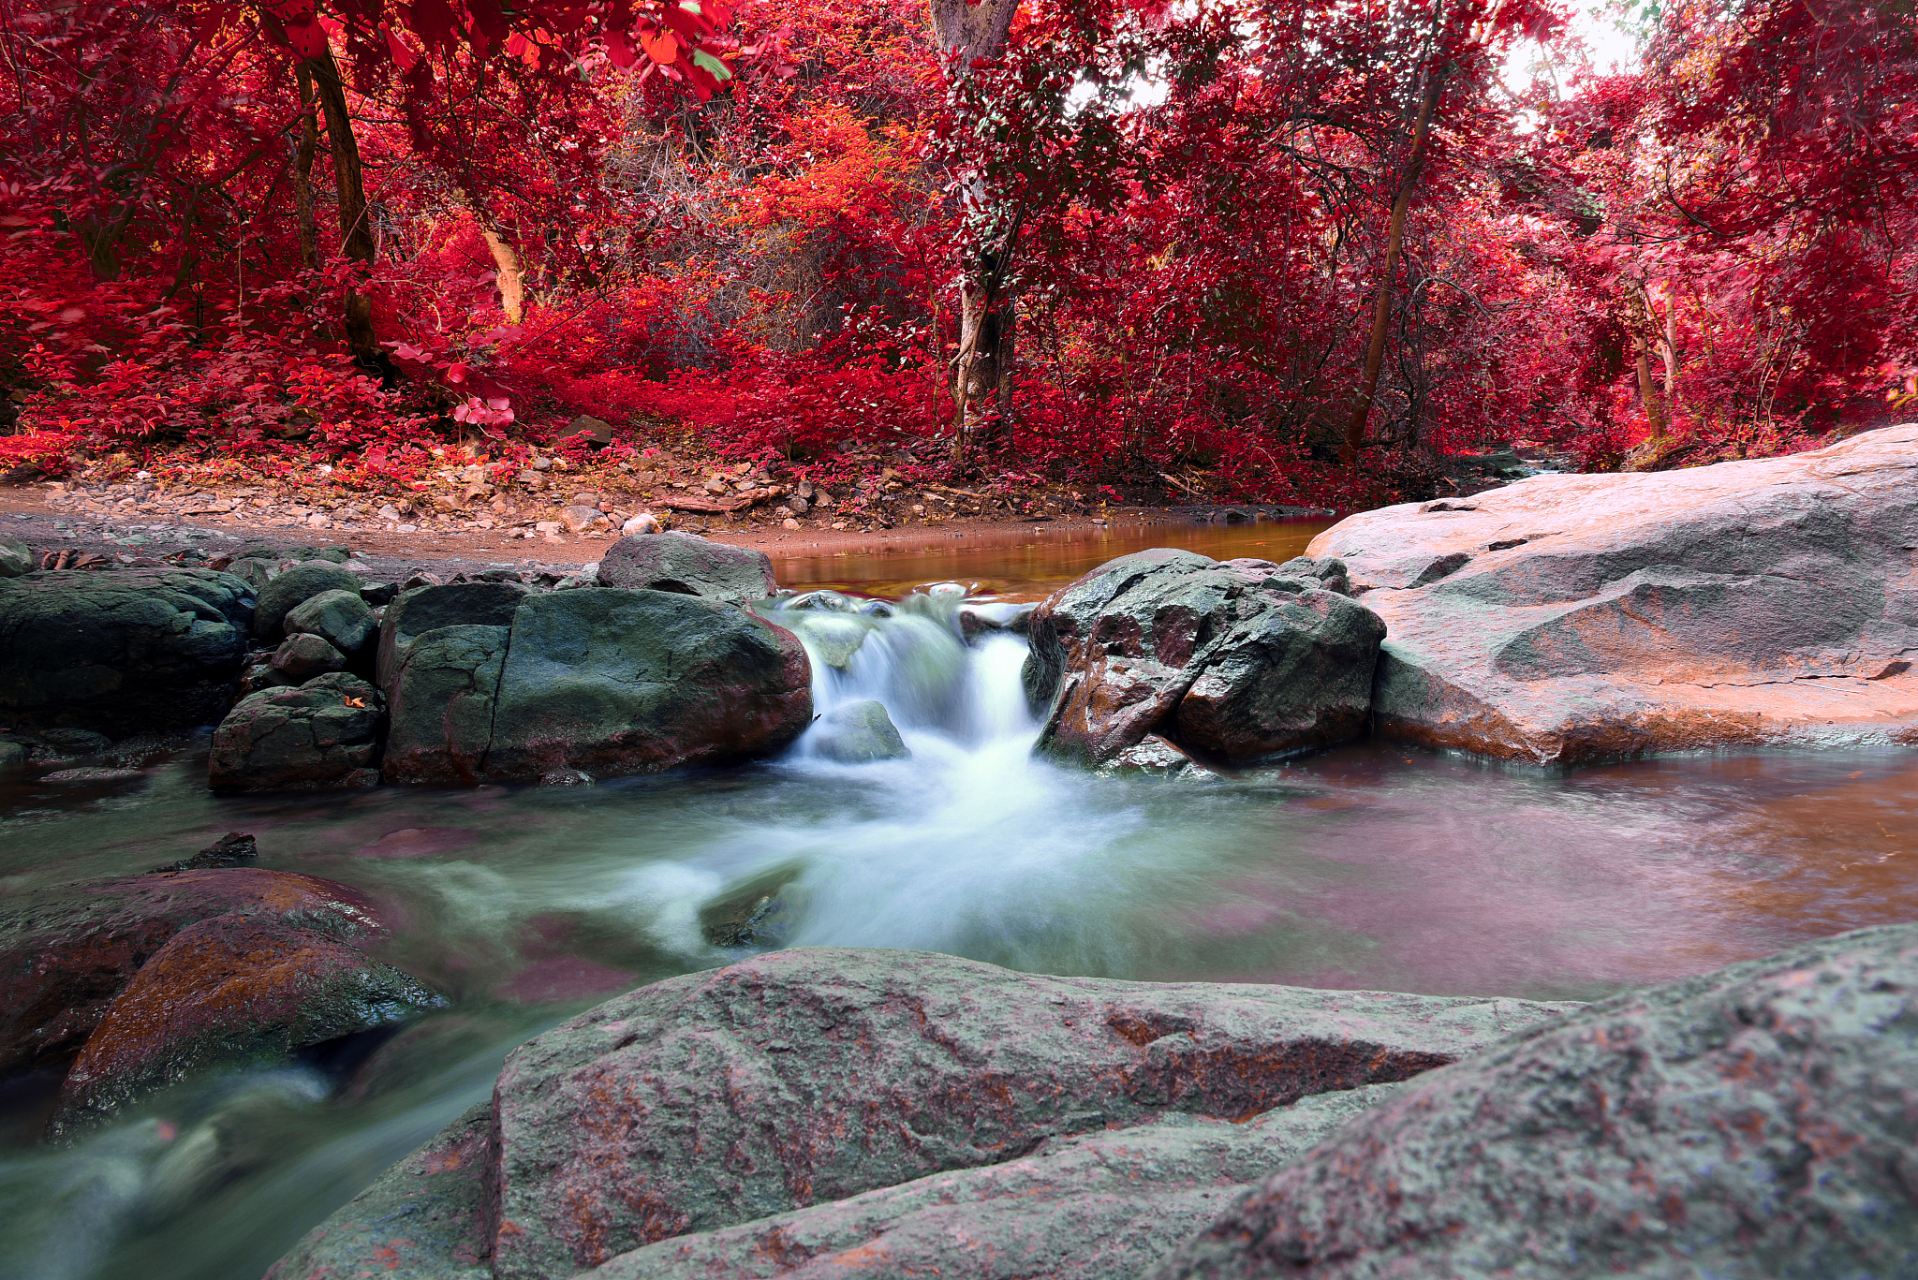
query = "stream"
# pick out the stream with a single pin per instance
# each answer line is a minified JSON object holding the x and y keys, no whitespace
{"x":1371,"y":866}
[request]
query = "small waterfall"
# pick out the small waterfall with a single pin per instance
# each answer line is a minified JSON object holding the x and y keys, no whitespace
{"x":942,"y":665}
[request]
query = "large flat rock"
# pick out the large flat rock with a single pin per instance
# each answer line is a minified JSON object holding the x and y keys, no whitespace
{"x":1757,"y":1121}
{"x":806,"y":1076}
{"x":1564,"y":619}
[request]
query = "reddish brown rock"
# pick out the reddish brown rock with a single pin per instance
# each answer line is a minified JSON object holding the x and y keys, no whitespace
{"x":66,"y":953}
{"x":227,"y":991}
{"x":1572,"y":618}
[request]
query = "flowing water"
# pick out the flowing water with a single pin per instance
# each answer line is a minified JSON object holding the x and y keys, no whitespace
{"x":1370,"y":866}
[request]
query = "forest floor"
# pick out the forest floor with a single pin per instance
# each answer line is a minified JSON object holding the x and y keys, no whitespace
{"x":565,"y":518}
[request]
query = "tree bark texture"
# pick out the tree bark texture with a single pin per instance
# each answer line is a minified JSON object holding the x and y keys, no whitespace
{"x":356,"y":228}
{"x":508,"y":276}
{"x":302,"y":174}
{"x":1639,"y":306}
{"x":1394,"y":240}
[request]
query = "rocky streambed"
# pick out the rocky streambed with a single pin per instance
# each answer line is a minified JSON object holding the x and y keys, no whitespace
{"x":886,"y":1112}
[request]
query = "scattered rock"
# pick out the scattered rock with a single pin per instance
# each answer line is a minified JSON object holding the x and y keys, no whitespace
{"x":1571,"y":618}
{"x":644,"y":522}
{"x":301,"y":657}
{"x":325,"y":733}
{"x":227,"y":991}
{"x":689,"y":565}
{"x":16,"y":557}
{"x":715,"y":1099}
{"x":294,"y":587}
{"x":255,"y":572}
{"x":858,"y":733}
{"x":235,"y":849}
{"x":1233,"y":663}
{"x":579,"y":519}
{"x":65,"y":953}
{"x":122,"y":652}
{"x":1756,"y":1121}
{"x":341,"y":618}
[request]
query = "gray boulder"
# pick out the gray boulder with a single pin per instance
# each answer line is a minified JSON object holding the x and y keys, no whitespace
{"x":16,"y":557}
{"x":1088,"y":1207}
{"x":1756,"y":1121}
{"x":440,"y":705}
{"x":294,"y":587}
{"x":253,"y":570}
{"x":619,"y":682}
{"x":689,"y":565}
{"x":428,"y":608}
{"x":1563,"y":619}
{"x":301,"y":657}
{"x":806,"y":1076}
{"x":122,"y":652}
{"x":1236,"y":662}
{"x":324,"y":733}
{"x":858,"y":733}
{"x":341,"y":618}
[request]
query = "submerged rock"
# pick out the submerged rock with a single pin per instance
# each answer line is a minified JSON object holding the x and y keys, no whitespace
{"x":688,"y":564}
{"x":1756,"y":1121}
{"x":65,"y":953}
{"x":746,"y":914}
{"x":121,"y":652}
{"x":224,"y":992}
{"x":235,"y":849}
{"x":1584,"y":617}
{"x":1235,"y":662}
{"x":324,"y":733}
{"x":859,"y":733}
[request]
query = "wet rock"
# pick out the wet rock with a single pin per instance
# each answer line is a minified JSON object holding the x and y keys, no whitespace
{"x":620,"y":682}
{"x":121,"y":652}
{"x":91,"y":773}
{"x":341,"y":618}
{"x":301,"y":657}
{"x":715,"y":1099}
{"x":746,"y":915}
{"x":225,"y":992}
{"x":1088,"y":1207}
{"x":441,"y":701}
{"x":1238,"y":664}
{"x":689,"y":565}
{"x":15,"y":556}
{"x":1756,"y":1121}
{"x":235,"y":849}
{"x":1583,"y":617}
{"x":566,"y":778}
{"x":831,"y":637}
{"x":324,"y":733}
{"x":66,"y":952}
{"x":1160,"y":758}
{"x":426,"y":608}
{"x":295,"y":587}
{"x":858,"y":733}
{"x":423,"y":1219}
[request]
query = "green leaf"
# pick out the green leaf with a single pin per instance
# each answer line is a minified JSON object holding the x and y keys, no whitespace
{"x":711,"y":66}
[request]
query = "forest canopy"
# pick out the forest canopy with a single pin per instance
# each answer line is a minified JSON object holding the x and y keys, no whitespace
{"x":1284,"y":250}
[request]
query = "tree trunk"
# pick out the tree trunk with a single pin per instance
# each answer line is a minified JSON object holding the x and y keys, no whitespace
{"x":509,"y":278}
{"x":1394,"y":238}
{"x":356,"y":230}
{"x":967,"y":31}
{"x":1639,"y":306}
{"x":302,"y":174}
